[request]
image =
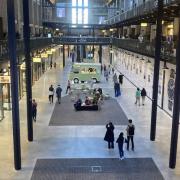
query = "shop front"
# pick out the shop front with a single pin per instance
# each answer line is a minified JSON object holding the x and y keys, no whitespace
{"x":5,"y":92}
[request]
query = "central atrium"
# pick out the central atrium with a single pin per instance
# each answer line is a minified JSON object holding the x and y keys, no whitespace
{"x":89,"y":89}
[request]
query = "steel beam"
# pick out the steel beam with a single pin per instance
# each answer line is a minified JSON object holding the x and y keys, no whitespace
{"x":100,"y":54}
{"x":176,"y":109}
{"x":63,"y":55}
{"x":14,"y":83}
{"x":26,"y":35}
{"x":156,"y":70}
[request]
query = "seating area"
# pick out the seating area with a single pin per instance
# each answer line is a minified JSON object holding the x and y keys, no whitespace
{"x":93,"y":107}
{"x":87,"y":98}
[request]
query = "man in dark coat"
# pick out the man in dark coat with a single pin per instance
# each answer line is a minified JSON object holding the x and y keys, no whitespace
{"x":109,"y":136}
{"x":58,"y":93}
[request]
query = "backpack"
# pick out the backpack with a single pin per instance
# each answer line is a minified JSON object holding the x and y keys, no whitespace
{"x":131,"y":130}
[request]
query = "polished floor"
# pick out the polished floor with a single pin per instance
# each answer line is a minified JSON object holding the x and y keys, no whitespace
{"x":51,"y":142}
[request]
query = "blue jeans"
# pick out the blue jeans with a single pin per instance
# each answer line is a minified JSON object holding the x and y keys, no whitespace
{"x":121,"y":152}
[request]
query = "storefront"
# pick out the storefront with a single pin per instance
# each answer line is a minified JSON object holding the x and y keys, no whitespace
{"x":5,"y":89}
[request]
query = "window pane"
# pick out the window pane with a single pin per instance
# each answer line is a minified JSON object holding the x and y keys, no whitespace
{"x":80,"y":3}
{"x":73,"y":15}
{"x":85,"y":3}
{"x":79,"y":16}
{"x":73,"y":2}
{"x":86,"y":16}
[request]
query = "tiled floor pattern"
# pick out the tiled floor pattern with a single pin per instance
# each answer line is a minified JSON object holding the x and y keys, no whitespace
{"x":101,"y":169}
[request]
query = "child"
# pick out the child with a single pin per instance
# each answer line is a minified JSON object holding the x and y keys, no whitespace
{"x":120,"y":142}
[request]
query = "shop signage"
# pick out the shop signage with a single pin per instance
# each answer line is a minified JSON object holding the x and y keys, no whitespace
{"x":49,"y":52}
{"x":37,"y":60}
{"x":44,"y":55}
{"x":53,"y":50}
{"x":5,"y":79}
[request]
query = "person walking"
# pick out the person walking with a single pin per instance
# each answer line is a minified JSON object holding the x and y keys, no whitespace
{"x":51,"y":64}
{"x":54,"y":65}
{"x":106,"y":75}
{"x":118,"y":90}
{"x":34,"y":110}
{"x":120,"y":142}
{"x":104,"y":67}
{"x":68,"y":87}
{"x":109,"y":69}
{"x":101,"y":68}
{"x":51,"y":94}
{"x":113,"y":70}
{"x":115,"y":79}
{"x":58,"y":93}
{"x":109,"y":136}
{"x":130,"y":134}
{"x":143,"y":95}
{"x":138,"y":96}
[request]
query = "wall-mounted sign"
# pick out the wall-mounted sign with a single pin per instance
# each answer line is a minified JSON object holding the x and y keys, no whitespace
{"x":44,"y":55}
{"x":37,"y":60}
{"x":5,"y":79}
{"x":49,"y":52}
{"x":53,"y":50}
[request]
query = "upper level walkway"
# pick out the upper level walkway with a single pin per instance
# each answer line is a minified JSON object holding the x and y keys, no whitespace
{"x":146,"y":48}
{"x":75,"y":142}
{"x":142,"y":10}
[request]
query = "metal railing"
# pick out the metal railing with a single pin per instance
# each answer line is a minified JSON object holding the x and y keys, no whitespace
{"x":73,"y":40}
{"x":140,"y":10}
{"x":35,"y":44}
{"x":145,"y":48}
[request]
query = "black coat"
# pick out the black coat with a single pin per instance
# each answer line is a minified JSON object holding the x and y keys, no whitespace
{"x":109,"y":136}
{"x":120,"y":141}
{"x":143,"y":92}
{"x":121,"y":78}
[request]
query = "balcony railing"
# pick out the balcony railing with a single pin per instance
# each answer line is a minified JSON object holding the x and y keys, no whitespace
{"x":82,"y":40}
{"x":145,"y":48}
{"x":35,"y":43}
{"x":140,"y":10}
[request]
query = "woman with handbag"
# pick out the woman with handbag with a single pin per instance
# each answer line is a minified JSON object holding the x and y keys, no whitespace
{"x":109,"y":136}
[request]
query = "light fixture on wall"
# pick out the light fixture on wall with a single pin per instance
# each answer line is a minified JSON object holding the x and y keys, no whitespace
{"x":111,"y":51}
{"x":143,"y":24}
{"x":170,"y":26}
